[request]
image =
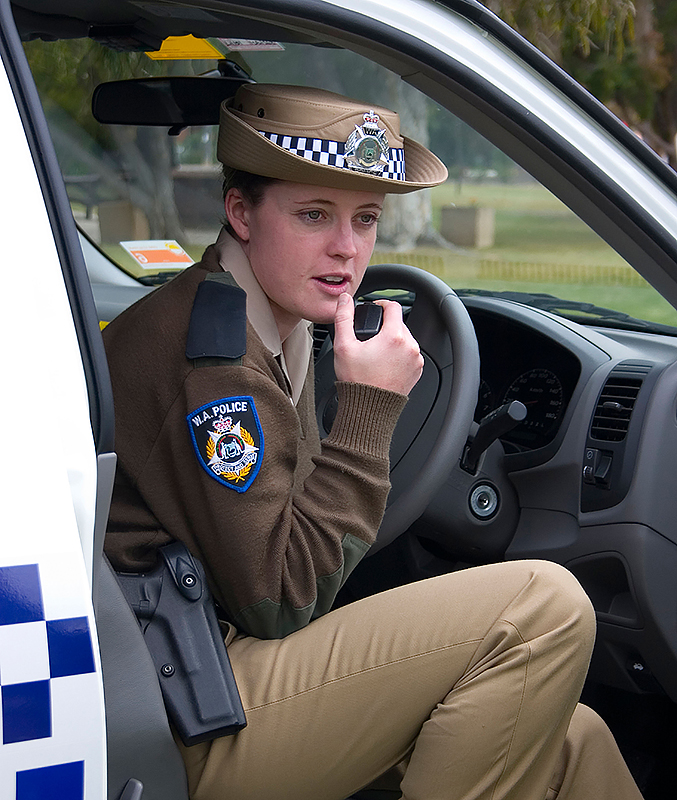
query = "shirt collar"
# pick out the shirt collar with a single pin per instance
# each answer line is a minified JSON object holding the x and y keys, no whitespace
{"x":294,"y":353}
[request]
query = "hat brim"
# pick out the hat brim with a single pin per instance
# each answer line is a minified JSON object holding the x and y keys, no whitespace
{"x":243,"y":148}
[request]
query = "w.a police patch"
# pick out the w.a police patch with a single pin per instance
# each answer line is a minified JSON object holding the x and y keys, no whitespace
{"x":228,"y":440}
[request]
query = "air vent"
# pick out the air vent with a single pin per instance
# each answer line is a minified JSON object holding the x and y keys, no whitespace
{"x":320,"y":334}
{"x":614,"y":408}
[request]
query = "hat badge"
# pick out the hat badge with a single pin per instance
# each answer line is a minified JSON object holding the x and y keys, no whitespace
{"x":366,"y":149}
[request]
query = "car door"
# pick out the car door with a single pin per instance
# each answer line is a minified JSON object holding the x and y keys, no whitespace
{"x":52,"y":732}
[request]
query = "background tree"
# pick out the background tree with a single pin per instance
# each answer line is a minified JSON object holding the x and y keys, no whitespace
{"x":131,"y":163}
{"x":557,"y":26}
{"x":624,"y":53}
{"x":640,"y":87}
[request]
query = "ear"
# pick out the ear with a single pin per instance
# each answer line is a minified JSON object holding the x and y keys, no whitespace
{"x":237,"y":213}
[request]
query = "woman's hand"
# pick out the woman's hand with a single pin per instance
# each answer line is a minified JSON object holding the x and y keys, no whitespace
{"x":390,"y":360}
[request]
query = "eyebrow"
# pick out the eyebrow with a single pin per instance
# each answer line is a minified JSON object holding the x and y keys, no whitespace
{"x":322,"y":201}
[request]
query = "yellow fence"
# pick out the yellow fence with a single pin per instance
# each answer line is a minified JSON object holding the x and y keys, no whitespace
{"x":446,"y":265}
{"x":560,"y":273}
{"x":436,"y":264}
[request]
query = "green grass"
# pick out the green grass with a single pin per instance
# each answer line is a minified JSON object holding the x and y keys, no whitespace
{"x":501,"y":196}
{"x":531,"y":224}
{"x":539,"y":246}
{"x":642,"y":302}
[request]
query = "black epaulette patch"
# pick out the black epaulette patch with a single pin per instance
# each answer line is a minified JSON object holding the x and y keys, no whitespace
{"x":217,"y":333}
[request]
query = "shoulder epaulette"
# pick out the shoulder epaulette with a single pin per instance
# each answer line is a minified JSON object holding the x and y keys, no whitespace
{"x":217,"y":333}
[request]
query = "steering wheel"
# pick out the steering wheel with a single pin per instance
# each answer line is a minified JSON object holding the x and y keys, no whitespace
{"x":434,"y":425}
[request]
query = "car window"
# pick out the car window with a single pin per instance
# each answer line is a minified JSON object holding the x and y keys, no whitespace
{"x":151,"y":201}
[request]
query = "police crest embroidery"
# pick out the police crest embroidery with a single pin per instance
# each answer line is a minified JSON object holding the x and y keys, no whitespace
{"x":228,"y":440}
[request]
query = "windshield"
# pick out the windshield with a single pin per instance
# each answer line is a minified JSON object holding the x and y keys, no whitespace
{"x":152,"y":201}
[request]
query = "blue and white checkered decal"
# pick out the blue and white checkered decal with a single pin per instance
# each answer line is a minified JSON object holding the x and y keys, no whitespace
{"x":330,"y":153}
{"x":50,"y":704}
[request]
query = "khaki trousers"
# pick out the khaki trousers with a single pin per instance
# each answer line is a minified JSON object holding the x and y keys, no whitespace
{"x":472,"y":677}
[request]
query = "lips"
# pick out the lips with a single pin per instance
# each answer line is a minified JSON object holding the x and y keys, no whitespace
{"x":333,"y":283}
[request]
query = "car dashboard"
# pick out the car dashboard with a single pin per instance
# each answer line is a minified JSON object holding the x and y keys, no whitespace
{"x":592,"y":469}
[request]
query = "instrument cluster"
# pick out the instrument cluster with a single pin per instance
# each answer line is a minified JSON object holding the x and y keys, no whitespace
{"x":519,"y":363}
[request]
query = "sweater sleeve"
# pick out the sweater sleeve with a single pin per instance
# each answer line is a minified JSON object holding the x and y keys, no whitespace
{"x":276,"y":553}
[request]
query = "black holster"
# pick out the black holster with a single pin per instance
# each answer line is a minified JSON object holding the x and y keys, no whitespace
{"x":178,"y":620}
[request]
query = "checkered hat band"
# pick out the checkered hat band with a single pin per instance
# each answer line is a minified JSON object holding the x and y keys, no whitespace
{"x":325,"y":151}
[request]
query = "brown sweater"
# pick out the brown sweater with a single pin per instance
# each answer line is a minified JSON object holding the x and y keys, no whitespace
{"x":276,"y":553}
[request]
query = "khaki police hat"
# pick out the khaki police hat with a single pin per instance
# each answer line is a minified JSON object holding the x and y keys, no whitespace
{"x":305,"y":135}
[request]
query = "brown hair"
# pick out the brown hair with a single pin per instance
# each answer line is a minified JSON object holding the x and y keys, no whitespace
{"x":251,"y":186}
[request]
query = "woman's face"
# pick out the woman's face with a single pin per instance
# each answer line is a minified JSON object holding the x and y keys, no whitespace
{"x":306,"y":245}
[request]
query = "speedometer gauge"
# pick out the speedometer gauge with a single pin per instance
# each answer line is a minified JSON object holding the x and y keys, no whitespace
{"x":485,"y":401}
{"x":541,"y":392}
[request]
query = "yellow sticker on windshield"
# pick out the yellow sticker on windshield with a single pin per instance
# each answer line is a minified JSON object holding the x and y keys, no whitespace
{"x":184,"y":48}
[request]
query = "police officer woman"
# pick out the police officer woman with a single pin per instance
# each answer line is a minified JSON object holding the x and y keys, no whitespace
{"x":470,"y":680}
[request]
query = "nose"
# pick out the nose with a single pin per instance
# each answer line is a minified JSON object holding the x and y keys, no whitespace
{"x":343,"y":243}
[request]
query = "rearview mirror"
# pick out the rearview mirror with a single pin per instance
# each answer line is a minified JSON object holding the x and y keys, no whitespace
{"x":174,"y":101}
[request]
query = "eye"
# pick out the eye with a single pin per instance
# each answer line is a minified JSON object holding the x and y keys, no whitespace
{"x":368,"y":219}
{"x":313,"y":214}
